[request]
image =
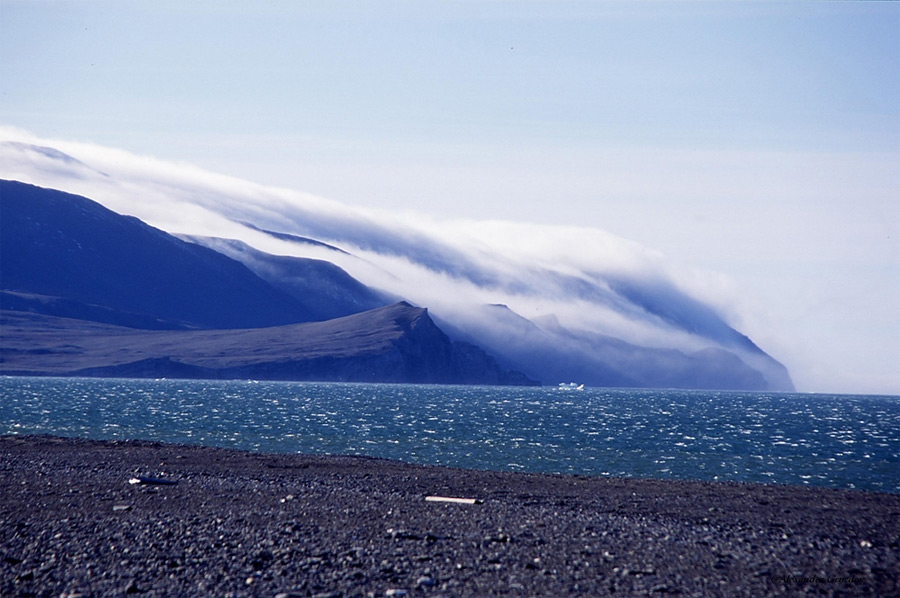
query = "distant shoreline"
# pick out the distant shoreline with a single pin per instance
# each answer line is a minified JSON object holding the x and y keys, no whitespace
{"x":202,"y":520}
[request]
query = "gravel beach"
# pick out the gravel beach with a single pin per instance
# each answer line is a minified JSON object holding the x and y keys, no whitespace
{"x":92,"y":518}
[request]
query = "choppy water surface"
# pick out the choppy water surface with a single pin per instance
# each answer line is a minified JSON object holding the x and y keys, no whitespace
{"x":824,"y":440}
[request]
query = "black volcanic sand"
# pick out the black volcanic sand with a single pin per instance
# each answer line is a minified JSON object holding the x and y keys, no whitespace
{"x":246,"y":524}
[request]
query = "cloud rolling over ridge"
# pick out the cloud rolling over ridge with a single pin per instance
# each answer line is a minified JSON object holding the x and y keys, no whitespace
{"x":576,"y":290}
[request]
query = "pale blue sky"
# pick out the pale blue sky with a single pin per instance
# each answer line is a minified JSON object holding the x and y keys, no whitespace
{"x":760,"y":140}
{"x":795,"y":76}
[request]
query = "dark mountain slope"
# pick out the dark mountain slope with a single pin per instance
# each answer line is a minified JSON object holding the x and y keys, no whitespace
{"x":55,"y":244}
{"x":323,"y":289}
{"x":397,"y":343}
{"x":554,"y":354}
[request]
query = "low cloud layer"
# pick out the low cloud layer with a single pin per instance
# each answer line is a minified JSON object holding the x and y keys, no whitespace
{"x":582,"y":279}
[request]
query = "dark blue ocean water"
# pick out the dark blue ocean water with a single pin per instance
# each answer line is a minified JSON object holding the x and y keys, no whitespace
{"x":823,"y":440}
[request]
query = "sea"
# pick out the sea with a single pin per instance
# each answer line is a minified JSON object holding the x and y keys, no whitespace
{"x":838,"y":441}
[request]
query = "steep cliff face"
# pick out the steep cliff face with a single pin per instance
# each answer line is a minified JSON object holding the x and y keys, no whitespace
{"x":397,"y":343}
{"x":449,"y":361}
{"x":549,"y":352}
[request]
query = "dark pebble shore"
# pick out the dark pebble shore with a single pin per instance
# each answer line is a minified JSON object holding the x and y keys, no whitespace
{"x":91,"y":518}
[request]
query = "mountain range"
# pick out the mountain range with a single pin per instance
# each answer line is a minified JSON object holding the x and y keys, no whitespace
{"x":311,"y":291}
{"x":87,"y":292}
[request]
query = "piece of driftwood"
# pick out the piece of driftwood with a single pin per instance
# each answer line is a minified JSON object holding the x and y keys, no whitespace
{"x":152,"y":481}
{"x":461,"y":501}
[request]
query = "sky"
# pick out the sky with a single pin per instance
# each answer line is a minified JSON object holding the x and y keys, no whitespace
{"x":757,"y":141}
